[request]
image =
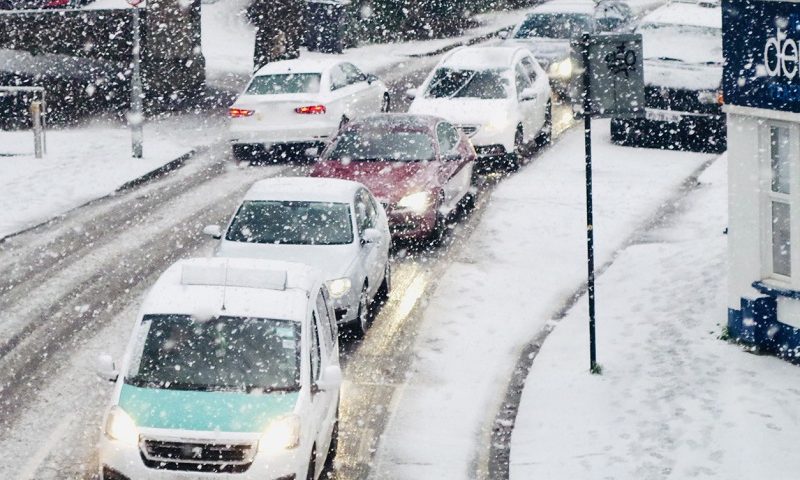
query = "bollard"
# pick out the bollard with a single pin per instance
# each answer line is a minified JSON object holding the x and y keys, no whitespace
{"x":36,"y":119}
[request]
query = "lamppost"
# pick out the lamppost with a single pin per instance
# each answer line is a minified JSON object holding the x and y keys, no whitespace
{"x":136,"y":115}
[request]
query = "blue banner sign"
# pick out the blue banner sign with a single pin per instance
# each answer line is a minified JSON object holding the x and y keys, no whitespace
{"x":761,"y":45}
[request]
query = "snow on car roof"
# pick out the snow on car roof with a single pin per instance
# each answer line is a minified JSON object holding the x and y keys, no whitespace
{"x":200,"y":287}
{"x":680,"y":13}
{"x":299,"y":65}
{"x":311,"y":189}
{"x":560,"y":6}
{"x":481,"y":58}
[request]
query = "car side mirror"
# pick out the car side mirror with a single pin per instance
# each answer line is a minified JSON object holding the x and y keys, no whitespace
{"x":504,"y":34}
{"x":105,"y":368}
{"x":372,"y":79}
{"x":213,"y":231}
{"x":412,"y":93}
{"x":371,"y":235}
{"x":330,"y":379}
{"x":528,"y":94}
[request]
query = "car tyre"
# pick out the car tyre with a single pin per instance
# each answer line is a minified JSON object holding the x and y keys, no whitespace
{"x":436,"y":236}
{"x":546,"y":133}
{"x":312,"y":466}
{"x":363,"y":316}
{"x":383,"y":291}
{"x":386,"y":105}
{"x":334,"y":446}
{"x":517,"y":158}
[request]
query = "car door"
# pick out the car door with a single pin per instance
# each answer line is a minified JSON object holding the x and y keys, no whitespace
{"x":526,"y":107}
{"x":370,"y":95}
{"x":339,"y":103}
{"x":369,"y":252}
{"x":455,"y":167}
{"x":381,"y":223}
{"x":329,"y":356}
{"x":541,"y":86}
{"x":318,"y":403}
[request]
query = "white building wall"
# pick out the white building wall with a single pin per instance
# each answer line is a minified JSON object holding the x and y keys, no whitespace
{"x":744,"y":233}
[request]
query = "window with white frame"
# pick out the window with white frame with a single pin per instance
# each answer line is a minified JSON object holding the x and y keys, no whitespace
{"x":781,"y":152}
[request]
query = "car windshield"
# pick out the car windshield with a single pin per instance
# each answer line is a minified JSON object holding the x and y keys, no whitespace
{"x":451,"y":83}
{"x":292,"y":223}
{"x":180,"y":352}
{"x":284,"y":83}
{"x":682,"y":43}
{"x":554,"y":25}
{"x":375,"y":145}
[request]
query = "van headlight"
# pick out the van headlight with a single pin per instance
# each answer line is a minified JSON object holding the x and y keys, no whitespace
{"x":121,"y":427}
{"x":562,"y":69}
{"x":281,"y":434}
{"x":338,"y":288}
{"x":416,"y":202}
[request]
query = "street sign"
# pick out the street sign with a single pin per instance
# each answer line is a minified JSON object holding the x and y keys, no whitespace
{"x":613,"y":86}
{"x":615,"y":73}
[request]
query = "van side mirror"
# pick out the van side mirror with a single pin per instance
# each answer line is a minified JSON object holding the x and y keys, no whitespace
{"x":412,"y":93}
{"x":213,"y":231}
{"x":105,"y":368}
{"x":330,"y":379}
{"x":371,"y":235}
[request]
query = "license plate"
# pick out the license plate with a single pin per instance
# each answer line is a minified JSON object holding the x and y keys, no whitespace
{"x":663,"y":116}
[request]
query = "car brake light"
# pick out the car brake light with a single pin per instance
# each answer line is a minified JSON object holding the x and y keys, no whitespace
{"x":240,"y":112}
{"x":720,"y":98}
{"x":311,"y":109}
{"x":56,"y":3}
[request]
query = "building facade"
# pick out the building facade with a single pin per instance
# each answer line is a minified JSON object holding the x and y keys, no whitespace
{"x":761,"y":87}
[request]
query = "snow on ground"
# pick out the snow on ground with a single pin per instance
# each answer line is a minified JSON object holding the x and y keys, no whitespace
{"x":673,"y":401}
{"x":228,"y":41}
{"x":83,"y":164}
{"x":522,"y":262}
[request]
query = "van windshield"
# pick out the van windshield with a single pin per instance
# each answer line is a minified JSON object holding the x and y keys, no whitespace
{"x":245,"y":354}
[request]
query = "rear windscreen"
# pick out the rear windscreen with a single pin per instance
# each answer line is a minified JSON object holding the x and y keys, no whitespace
{"x":284,"y":83}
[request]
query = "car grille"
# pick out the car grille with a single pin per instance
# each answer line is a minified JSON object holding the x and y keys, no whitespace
{"x":680,"y":100}
{"x":469,"y":130}
{"x":197,"y":457}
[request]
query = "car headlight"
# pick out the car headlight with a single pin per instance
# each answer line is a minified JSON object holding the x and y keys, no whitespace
{"x":121,"y":427}
{"x":562,"y":69}
{"x":281,"y":434}
{"x":416,"y":202}
{"x":339,"y":287}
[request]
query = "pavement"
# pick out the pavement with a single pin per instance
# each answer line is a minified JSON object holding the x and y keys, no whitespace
{"x":675,"y":399}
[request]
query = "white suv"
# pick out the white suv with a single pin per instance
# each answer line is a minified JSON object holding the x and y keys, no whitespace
{"x":232,"y":368}
{"x":499,"y":97}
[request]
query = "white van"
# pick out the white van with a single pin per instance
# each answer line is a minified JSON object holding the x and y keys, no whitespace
{"x":232,"y":368}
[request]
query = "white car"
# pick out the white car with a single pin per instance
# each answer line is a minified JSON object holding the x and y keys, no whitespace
{"x":232,"y":371}
{"x":333,"y":225}
{"x":499,"y":97}
{"x":300,"y":104}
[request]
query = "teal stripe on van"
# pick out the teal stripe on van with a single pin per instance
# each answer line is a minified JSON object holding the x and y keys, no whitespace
{"x":204,"y":411}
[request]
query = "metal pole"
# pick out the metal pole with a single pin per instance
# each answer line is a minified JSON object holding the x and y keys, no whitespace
{"x":587,"y":138}
{"x":36,"y":119}
{"x":136,"y":116}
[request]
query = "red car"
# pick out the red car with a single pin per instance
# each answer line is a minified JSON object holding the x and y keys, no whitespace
{"x":418,"y":166}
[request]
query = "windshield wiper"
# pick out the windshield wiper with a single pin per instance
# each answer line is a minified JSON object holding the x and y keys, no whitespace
{"x":666,"y":59}
{"x":462,"y":87}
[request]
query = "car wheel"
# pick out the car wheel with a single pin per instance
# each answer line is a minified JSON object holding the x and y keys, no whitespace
{"x":546,"y":134}
{"x":387,"y":103}
{"x":517,"y":158}
{"x":334,"y":446}
{"x":362,"y":317}
{"x":439,"y":228}
{"x":383,"y":292}
{"x":312,"y":466}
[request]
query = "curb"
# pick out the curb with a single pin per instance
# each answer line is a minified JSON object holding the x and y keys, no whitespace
{"x":150,"y":176}
{"x":506,"y":416}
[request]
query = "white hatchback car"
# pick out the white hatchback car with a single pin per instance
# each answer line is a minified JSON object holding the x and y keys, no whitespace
{"x":232,"y":370}
{"x":333,"y":225}
{"x":300,"y":104}
{"x":499,"y":96}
